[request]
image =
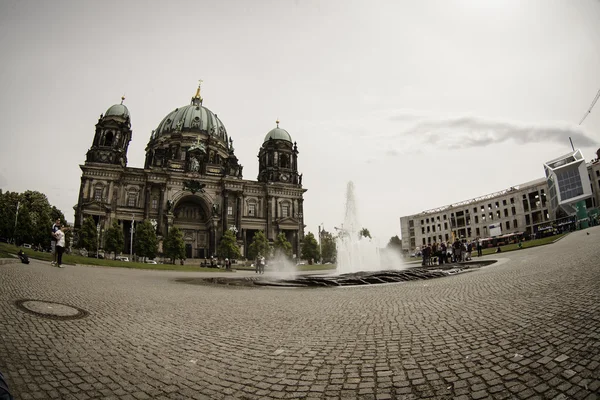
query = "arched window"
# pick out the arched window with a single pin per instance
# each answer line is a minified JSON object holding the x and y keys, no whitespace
{"x":108,"y":138}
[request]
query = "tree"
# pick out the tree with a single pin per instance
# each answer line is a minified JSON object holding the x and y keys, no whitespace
{"x":328,"y":248}
{"x":310,"y":248}
{"x":364,"y":232}
{"x":228,"y":247}
{"x":173,"y":246}
{"x":114,"y":239}
{"x":259,"y":245}
{"x":88,"y":235}
{"x":8,"y":211}
{"x":395,"y":244}
{"x":282,"y":245}
{"x":145,"y":242}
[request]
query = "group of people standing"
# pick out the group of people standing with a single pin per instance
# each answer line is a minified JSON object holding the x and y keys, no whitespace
{"x":447,"y":252}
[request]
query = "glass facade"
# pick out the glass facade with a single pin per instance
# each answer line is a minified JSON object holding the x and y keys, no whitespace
{"x":569,"y":183}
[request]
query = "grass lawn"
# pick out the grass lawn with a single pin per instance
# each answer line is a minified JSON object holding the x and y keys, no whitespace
{"x":526,"y":245}
{"x":6,"y":250}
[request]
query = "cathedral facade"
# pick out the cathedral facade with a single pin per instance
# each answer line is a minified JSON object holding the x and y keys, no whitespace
{"x":191,"y":180}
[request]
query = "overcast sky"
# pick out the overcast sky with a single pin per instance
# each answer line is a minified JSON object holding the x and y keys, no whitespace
{"x":420,"y":103}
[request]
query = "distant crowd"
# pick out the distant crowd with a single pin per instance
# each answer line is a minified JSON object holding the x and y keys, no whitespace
{"x":448,"y":252}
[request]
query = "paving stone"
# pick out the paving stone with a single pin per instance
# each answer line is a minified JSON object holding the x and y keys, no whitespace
{"x":149,"y":335}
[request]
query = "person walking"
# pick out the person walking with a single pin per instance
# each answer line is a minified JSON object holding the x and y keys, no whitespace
{"x":60,"y":245}
{"x":53,"y":240}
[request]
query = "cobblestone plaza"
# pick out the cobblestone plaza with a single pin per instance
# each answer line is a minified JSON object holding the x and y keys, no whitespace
{"x":526,"y":327}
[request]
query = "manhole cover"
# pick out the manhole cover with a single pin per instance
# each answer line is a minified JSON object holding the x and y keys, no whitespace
{"x":49,"y":309}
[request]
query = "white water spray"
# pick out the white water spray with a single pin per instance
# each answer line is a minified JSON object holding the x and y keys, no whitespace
{"x":357,"y":253}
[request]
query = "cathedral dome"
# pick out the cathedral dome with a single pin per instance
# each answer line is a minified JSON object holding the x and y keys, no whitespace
{"x":118,"y":110}
{"x":192,"y":118}
{"x":278,"y":134}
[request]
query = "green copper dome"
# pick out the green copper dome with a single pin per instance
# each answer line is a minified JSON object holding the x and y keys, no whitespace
{"x":118,"y":110}
{"x":193,"y":117}
{"x":278,"y":134}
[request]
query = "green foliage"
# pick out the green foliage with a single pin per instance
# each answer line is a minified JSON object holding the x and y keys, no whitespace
{"x":282,"y":245}
{"x":310,"y":248}
{"x":328,"y":248}
{"x":173,"y":245}
{"x":364,"y":232}
{"x":87,"y":235}
{"x":34,"y":220}
{"x":395,"y":244}
{"x":114,"y":239}
{"x":259,"y":245}
{"x":145,"y":240}
{"x":228,"y":247}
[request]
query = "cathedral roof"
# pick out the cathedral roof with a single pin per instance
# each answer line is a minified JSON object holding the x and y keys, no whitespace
{"x":118,"y":110}
{"x":193,"y":117}
{"x":278,"y":134}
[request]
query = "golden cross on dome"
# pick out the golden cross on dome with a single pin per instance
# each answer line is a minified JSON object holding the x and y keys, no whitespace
{"x":122,"y":99}
{"x":277,"y":122}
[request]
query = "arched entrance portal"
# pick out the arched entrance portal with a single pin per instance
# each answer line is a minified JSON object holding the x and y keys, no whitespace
{"x":191,"y":215}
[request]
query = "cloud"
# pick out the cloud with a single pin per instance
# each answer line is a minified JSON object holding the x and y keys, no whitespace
{"x":470,"y":131}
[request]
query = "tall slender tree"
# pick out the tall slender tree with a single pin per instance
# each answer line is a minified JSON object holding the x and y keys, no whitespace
{"x":282,"y":245}
{"x":228,"y":247}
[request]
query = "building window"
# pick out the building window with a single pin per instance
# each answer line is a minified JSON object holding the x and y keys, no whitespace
{"x":424,"y":242}
{"x":285,"y":210}
{"x":514,"y":211}
{"x":252,"y":210}
{"x":445,"y":225}
{"x":428,"y":229}
{"x":98,"y":194}
{"x":498,"y":214}
{"x":504,"y":202}
{"x":423,"y":230}
{"x":476,"y":219}
{"x":474,"y":210}
{"x":444,"y":217}
{"x":131,"y":200}
{"x":507,"y":225}
{"x":229,"y":210}
{"x":491,"y":216}
{"x":597,"y":172}
{"x":422,"y":222}
{"x":477,"y":231}
{"x":506,"y":212}
{"x":497,"y":204}
{"x":154,"y":204}
{"x":512,"y":200}
{"x":515,"y":225}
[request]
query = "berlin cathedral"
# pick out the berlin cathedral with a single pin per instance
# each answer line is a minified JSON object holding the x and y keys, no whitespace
{"x":191,"y":180}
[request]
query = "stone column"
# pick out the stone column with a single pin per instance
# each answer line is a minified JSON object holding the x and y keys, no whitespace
{"x":160,"y":209}
{"x":245,"y":242}
{"x":268,"y":204}
{"x":238,"y":215}
{"x":147,"y":202}
{"x":225,"y":209}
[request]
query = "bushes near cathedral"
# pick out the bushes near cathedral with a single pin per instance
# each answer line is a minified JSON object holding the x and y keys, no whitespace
{"x":87,"y":235}
{"x":146,"y":242}
{"x":282,"y":246}
{"x":173,"y":245}
{"x":114,"y":239}
{"x":310,"y":248}
{"x":259,"y":246}
{"x":228,"y":247}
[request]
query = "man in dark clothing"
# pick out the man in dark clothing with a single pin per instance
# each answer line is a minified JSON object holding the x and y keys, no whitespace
{"x":4,"y":393}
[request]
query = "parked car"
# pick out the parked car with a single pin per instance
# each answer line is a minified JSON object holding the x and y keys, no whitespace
{"x":121,"y":258}
{"x":26,"y":245}
{"x":150,"y":262}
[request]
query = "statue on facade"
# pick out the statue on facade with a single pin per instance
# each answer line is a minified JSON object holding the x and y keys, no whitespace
{"x":169,"y":206}
{"x":215,"y":209}
{"x":194,"y":164}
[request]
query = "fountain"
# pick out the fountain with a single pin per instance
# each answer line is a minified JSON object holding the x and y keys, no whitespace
{"x":356,"y":253}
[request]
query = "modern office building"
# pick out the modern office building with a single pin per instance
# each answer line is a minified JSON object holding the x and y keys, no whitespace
{"x":522,"y":209}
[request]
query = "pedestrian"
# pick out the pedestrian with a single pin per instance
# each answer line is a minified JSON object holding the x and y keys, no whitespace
{"x":4,"y":392}
{"x":479,"y":248}
{"x":53,"y":240}
{"x":60,"y":245}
